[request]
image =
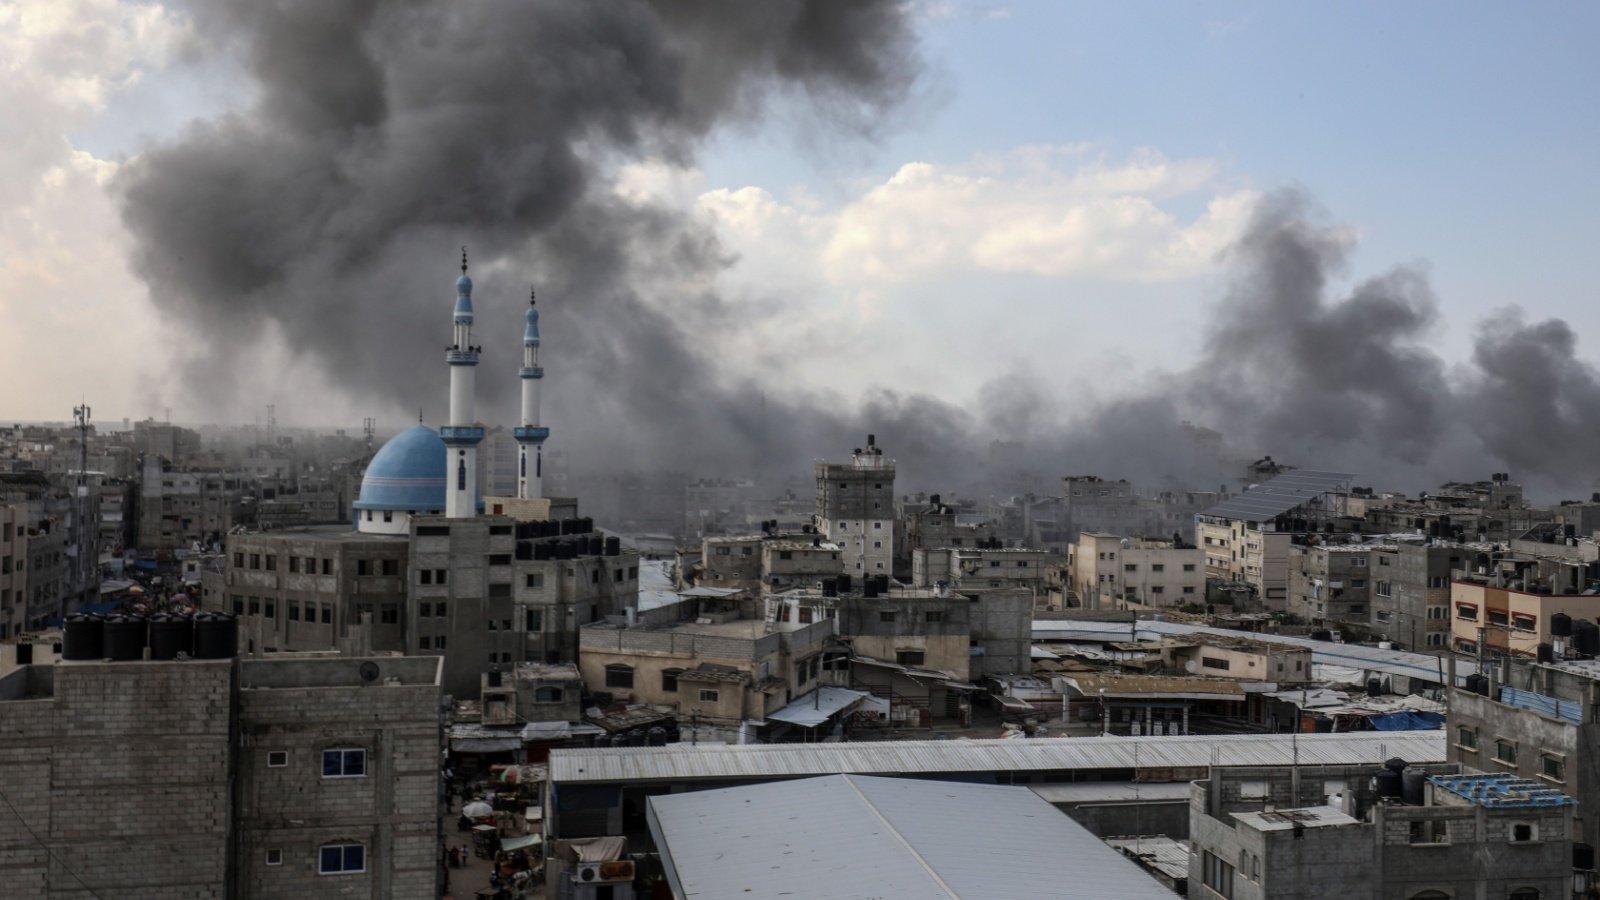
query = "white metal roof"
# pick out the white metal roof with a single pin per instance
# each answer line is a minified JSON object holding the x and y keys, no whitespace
{"x":679,"y":761}
{"x":849,"y":836}
{"x":814,"y":707}
{"x":1279,"y":495}
{"x":1355,"y":656}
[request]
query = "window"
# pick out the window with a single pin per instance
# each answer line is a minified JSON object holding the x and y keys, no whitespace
{"x":438,"y":642}
{"x":1524,"y":832}
{"x":724,"y":551}
{"x":619,"y":676}
{"x":1429,"y":831}
{"x":327,"y":567}
{"x":933,"y":615}
{"x":277,"y":759}
{"x":878,"y":525}
{"x":341,"y":859}
{"x":708,"y":695}
{"x":327,"y":613}
{"x":271,"y":608}
{"x":274,"y":856}
{"x":1158,"y":589}
{"x":1360,"y":562}
{"x":1466,"y":737}
{"x":534,"y":580}
{"x":294,"y":565}
{"x":1129,"y":567}
{"x":1506,"y":752}
{"x":1216,"y":874}
{"x":438,"y":609}
{"x":425,"y":576}
{"x":255,"y":561}
{"x":1467,"y":612}
{"x":255,"y":606}
{"x":499,"y":559}
{"x":1188,"y":567}
{"x":547,"y":695}
{"x":1524,"y":623}
{"x":238,"y":560}
{"x":1189,"y":589}
{"x":1212,"y":662}
{"x":294,"y":610}
{"x":499,"y":529}
{"x":1526,"y":893}
{"x":533,"y":620}
{"x":391,"y":567}
{"x":389,"y":615}
{"x":669,"y":680}
{"x":500,"y":590}
{"x":363,"y":567}
{"x":344,"y":763}
{"x":238,"y":605}
{"x":1552,"y":767}
{"x":1383,"y":589}
{"x":272,"y":563}
{"x":910,"y":657}
{"x":424,"y":643}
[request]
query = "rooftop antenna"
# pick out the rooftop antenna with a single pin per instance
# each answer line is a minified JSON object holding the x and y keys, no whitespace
{"x":272,"y":423}
{"x":368,"y":426}
{"x":81,"y":415}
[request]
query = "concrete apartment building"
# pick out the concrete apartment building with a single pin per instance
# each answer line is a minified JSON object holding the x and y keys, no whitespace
{"x":1107,"y":571}
{"x":493,"y":591}
{"x":967,"y":634}
{"x":1246,"y":538}
{"x":179,"y":507}
{"x":1332,"y":583}
{"x":13,"y":568}
{"x":1416,"y":609}
{"x":1424,"y":834}
{"x":1240,"y":658}
{"x":855,"y":509}
{"x":1510,"y":604}
{"x":216,"y":778}
{"x":310,"y":589}
{"x":1538,"y":721}
{"x":984,"y":568}
{"x":714,"y":661}
{"x":1092,"y":503}
{"x":768,"y":562}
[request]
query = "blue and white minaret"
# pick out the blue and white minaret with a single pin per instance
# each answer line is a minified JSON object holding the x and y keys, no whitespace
{"x":463,"y":434}
{"x":530,"y":435}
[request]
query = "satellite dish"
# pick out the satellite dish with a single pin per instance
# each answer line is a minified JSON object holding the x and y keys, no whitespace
{"x":369,"y":671}
{"x":1189,"y":666}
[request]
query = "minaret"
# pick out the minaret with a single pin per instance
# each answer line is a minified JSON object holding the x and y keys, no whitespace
{"x":530,"y":436}
{"x":462,"y":435}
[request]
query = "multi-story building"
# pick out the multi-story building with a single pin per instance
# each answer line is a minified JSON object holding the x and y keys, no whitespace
{"x":1107,"y":571}
{"x":715,"y":505}
{"x":1246,"y":538}
{"x":716,"y":661}
{"x":983,"y":568}
{"x":316,"y":589}
{"x":216,"y":778}
{"x":766,"y":562}
{"x":1411,"y":599}
{"x":1333,"y":582}
{"x":1425,"y":833}
{"x":855,"y":509}
{"x":13,"y":568}
{"x":1538,"y":721}
{"x":1509,"y":605}
{"x":181,"y":507}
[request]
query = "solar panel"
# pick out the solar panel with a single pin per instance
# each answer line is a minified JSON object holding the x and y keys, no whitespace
{"x":1279,"y":495}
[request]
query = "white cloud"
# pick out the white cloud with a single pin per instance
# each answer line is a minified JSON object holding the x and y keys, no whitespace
{"x":77,"y":324}
{"x":1049,"y":212}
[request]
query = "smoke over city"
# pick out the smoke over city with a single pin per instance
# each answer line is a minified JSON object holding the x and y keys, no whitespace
{"x":384,"y":135}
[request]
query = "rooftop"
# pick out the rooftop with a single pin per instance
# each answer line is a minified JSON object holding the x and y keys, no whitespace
{"x":849,"y":836}
{"x":1278,"y":495}
{"x":678,"y":762}
{"x":1502,"y":790}
{"x":1287,"y":819}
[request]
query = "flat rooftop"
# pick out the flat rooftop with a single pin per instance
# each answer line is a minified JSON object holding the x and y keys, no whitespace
{"x":1502,"y":790}
{"x":339,"y":671}
{"x":1288,"y":819}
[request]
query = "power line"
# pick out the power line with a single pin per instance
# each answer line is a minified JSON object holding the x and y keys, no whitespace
{"x":48,"y":852}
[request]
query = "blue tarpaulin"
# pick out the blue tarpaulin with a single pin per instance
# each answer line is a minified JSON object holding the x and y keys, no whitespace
{"x":1408,"y":721}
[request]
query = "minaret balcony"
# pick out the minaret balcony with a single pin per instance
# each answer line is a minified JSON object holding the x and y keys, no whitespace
{"x":461,"y":357}
{"x":461,"y":435}
{"x":530,"y":435}
{"x":531,"y":372}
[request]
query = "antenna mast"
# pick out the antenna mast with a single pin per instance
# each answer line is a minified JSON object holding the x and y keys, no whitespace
{"x":81,"y":415}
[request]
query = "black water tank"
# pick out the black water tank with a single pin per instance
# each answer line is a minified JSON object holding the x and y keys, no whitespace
{"x":1478,"y":684}
{"x":1546,"y":653}
{"x":123,"y":638}
{"x":216,"y":636}
{"x":82,"y":637}
{"x":170,"y":635}
{"x":1561,"y":625}
{"x":1411,"y":782}
{"x":613,"y":546}
{"x":1321,"y":635}
{"x":1395,"y":764}
{"x":844,"y":584}
{"x":830,"y":587}
{"x":869,"y":588}
{"x":1386,"y":783}
{"x":1583,"y":857}
{"x":1374,"y":687}
{"x":656,"y":736}
{"x":1586,"y":635}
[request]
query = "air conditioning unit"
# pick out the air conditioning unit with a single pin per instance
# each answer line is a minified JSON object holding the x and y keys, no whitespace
{"x":603,"y":872}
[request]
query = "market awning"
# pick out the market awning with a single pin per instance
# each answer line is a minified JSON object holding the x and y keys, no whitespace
{"x":547,"y":731}
{"x":818,"y":706}
{"x":485,"y":745}
{"x":517,"y":843}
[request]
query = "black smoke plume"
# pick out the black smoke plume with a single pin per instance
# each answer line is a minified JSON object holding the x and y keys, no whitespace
{"x":387,"y":133}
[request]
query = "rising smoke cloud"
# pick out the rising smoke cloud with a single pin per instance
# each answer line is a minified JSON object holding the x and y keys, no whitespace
{"x":385,"y":134}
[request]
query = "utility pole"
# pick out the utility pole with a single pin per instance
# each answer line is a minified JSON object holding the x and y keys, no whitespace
{"x":81,"y":415}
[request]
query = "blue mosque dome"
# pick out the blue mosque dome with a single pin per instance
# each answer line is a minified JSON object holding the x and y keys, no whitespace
{"x":407,"y":473}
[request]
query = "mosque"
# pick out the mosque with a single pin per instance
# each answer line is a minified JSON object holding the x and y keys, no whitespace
{"x":433,"y":567}
{"x":426,"y":472}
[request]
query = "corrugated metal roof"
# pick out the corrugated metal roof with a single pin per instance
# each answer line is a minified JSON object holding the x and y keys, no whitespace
{"x":1279,"y":495}
{"x":678,"y":761}
{"x":850,"y":836}
{"x":1355,"y":656}
{"x":1169,"y":857}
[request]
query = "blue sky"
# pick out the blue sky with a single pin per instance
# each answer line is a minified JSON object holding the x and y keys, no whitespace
{"x":1461,"y":134}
